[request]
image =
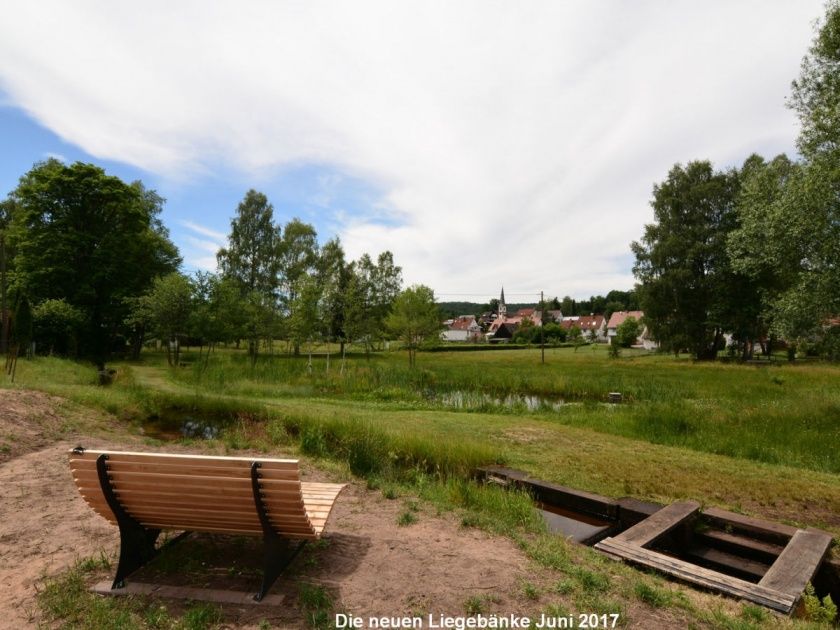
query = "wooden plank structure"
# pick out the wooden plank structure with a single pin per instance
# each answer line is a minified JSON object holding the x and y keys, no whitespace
{"x":145,"y":493}
{"x":779,"y":588}
{"x":659,"y":523}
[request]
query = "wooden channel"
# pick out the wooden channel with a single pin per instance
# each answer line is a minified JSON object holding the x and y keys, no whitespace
{"x":757,"y":593}
{"x":659,"y":523}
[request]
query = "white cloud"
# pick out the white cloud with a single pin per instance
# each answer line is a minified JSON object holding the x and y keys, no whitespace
{"x":200,"y":253}
{"x":218,"y":237}
{"x":516,"y":142}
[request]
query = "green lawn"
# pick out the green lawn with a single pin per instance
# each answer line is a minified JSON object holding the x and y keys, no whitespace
{"x":760,"y":440}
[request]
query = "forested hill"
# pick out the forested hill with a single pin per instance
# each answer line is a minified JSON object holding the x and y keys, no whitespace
{"x":454,"y":309}
{"x":604,"y":304}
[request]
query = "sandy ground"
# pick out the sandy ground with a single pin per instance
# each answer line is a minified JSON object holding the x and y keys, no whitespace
{"x":367,"y":562}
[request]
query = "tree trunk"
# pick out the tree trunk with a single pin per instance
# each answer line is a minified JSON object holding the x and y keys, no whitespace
{"x":4,"y":320}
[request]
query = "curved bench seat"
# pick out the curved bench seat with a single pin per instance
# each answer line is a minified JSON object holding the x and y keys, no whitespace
{"x":144,"y":493}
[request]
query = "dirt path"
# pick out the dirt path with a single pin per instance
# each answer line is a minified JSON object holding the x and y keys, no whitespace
{"x":44,"y":527}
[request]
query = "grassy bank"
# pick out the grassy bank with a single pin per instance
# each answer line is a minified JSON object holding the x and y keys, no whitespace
{"x":781,"y":414}
{"x":760,"y":440}
{"x":387,"y":425}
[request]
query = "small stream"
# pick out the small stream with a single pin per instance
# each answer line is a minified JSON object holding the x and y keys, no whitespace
{"x":174,"y":425}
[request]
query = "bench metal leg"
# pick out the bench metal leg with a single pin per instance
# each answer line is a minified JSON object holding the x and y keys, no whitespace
{"x":277,"y":552}
{"x":137,"y":544}
{"x":137,"y":547}
{"x":277,"y":555}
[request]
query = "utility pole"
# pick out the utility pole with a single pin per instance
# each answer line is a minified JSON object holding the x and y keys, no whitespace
{"x":542,"y":326}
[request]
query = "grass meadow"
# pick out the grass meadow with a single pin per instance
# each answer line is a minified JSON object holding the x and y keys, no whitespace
{"x":761,"y":440}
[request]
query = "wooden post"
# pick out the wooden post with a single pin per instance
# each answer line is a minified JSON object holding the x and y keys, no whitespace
{"x":542,"y":326}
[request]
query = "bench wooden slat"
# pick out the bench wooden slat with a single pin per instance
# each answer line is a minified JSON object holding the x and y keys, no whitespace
{"x":659,"y":523}
{"x":198,"y":493}
{"x":207,"y":493}
{"x":278,"y":521}
{"x":200,"y":527}
{"x":798,"y":562}
{"x":196,"y":518}
{"x":193,"y":469}
{"x":149,"y":479}
{"x":204,"y":460}
{"x":189,"y":503}
{"x":222,"y":504}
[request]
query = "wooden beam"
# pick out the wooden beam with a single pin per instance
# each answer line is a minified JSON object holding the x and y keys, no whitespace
{"x":759,"y":528}
{"x":687,"y":572}
{"x":659,"y":523}
{"x":727,"y":562}
{"x":798,"y":563}
{"x":749,"y":547}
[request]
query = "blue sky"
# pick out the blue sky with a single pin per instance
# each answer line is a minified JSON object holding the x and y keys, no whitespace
{"x":484,"y":143}
{"x":198,"y":209}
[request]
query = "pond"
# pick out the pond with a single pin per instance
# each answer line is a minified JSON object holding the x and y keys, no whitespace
{"x":176,"y":425}
{"x":466,"y":399}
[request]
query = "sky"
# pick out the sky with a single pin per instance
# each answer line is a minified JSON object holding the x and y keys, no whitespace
{"x":485,"y":143}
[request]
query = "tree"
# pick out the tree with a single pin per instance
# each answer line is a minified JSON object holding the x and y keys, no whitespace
{"x":90,"y":239}
{"x":760,"y":249}
{"x":813,"y":196}
{"x":305,"y":319}
{"x":816,"y":93}
{"x":170,"y":306}
{"x":627,"y":332}
{"x":575,"y":335}
{"x":554,"y":333}
{"x":251,"y":261}
{"x":6,"y":208}
{"x":297,"y":254}
{"x":681,"y":261}
{"x":413,"y":318}
{"x":371,"y":291}
{"x":568,"y":306}
{"x":56,"y":325}
{"x":333,"y":278}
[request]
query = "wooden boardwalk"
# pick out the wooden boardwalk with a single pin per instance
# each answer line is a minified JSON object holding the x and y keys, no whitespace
{"x":780,"y":587}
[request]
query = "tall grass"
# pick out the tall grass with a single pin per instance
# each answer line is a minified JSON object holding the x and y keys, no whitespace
{"x":781,"y":414}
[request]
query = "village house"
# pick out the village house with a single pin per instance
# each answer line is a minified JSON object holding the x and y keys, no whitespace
{"x":462,"y":328}
{"x":644,"y":339}
{"x":588,"y":324}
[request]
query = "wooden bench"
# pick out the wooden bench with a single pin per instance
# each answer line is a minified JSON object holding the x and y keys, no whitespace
{"x":145,"y":493}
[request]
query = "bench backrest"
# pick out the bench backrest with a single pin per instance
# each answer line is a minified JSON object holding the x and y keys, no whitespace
{"x":196,"y":492}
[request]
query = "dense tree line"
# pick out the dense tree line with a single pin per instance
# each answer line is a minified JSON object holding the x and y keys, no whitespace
{"x":76,"y":245}
{"x":754,"y":251}
{"x":87,"y":269}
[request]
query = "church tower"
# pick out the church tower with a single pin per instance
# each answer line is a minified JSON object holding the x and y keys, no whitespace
{"x":502,"y":305}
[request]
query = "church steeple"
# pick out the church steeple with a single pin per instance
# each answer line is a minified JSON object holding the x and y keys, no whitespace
{"x":502,"y":305}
